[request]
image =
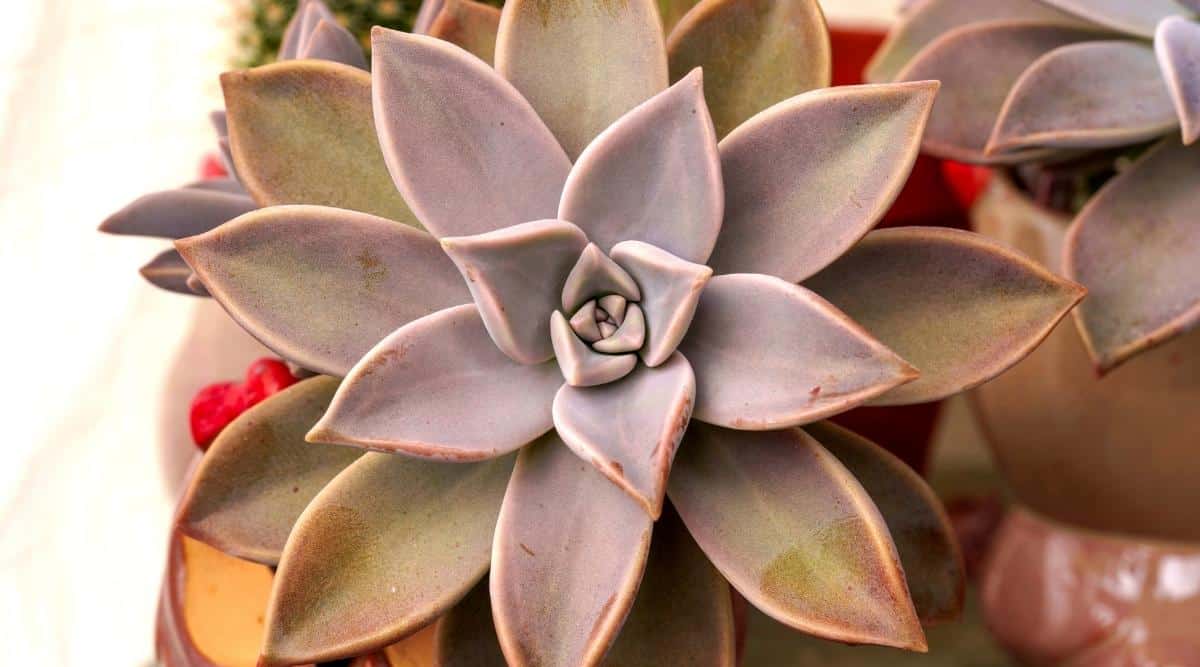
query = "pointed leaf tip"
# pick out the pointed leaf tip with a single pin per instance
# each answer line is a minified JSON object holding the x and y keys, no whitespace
{"x":1177,"y":46}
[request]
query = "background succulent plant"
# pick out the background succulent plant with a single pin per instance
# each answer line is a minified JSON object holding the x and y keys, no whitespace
{"x":1081,"y":86}
{"x":442,"y":330}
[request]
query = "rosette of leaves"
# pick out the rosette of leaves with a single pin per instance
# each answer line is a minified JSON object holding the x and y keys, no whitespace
{"x":601,"y":364}
{"x":1079,"y":82}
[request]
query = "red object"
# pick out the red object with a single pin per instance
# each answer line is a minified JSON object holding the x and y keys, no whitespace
{"x":216,"y":405}
{"x":211,"y":167}
{"x":966,"y":181}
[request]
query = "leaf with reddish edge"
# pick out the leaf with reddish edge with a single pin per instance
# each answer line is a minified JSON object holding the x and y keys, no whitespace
{"x":470,"y":25}
{"x":387,"y":547}
{"x":958,"y":306}
{"x":1136,"y":18}
{"x":582,"y":64}
{"x":438,"y":388}
{"x":808,"y":177}
{"x":793,"y":532}
{"x":174,"y":214}
{"x":1136,"y":246}
{"x":302,"y":132}
{"x":769,"y":354}
{"x":672,"y":290}
{"x":569,"y":553}
{"x":168,"y":271}
{"x":754,"y":53}
{"x":916,"y":520}
{"x":1177,"y":46}
{"x":321,"y":286}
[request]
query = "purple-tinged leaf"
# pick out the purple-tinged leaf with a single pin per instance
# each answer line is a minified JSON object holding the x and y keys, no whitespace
{"x":1177,"y":45}
{"x":174,"y":214}
{"x":168,"y":271}
{"x":467,"y":151}
{"x":260,"y":474}
{"x":672,"y":292}
{"x":1134,"y":17}
{"x":330,"y":41}
{"x":197,"y":287}
{"x":769,"y":354}
{"x":220,"y":122}
{"x":387,"y":547}
{"x":960,"y":307}
{"x":226,"y":185}
{"x":754,"y":53}
{"x":438,"y":388}
{"x":1136,"y":247}
{"x":794,"y":533}
{"x":569,"y":553}
{"x":808,"y":177}
{"x":582,"y":64}
{"x":293,"y":34}
{"x":582,"y":366}
{"x":470,"y":25}
{"x":594,"y":276}
{"x":321,"y":286}
{"x":1089,"y":95}
{"x":426,"y":14}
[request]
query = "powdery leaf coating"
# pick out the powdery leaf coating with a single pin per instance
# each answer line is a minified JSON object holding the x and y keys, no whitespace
{"x":321,"y":286}
{"x":468,"y":24}
{"x":978,"y":65}
{"x":174,"y":214}
{"x":468,"y":153}
{"x":1177,"y":45}
{"x":794,"y":533}
{"x":593,"y":276}
{"x":1134,"y":247}
{"x":629,"y":429}
{"x":916,"y":520}
{"x":569,"y":553}
{"x":330,"y":41}
{"x":960,"y":307}
{"x":1089,"y":95}
{"x":1137,"y":17}
{"x":808,"y":177}
{"x":672,"y":292}
{"x":387,"y":547}
{"x":582,"y":366}
{"x":754,"y":53}
{"x":654,"y":176}
{"x":168,"y":271}
{"x":515,"y":275}
{"x":302,"y":132}
{"x":438,"y":388}
{"x":582,"y":63}
{"x":300,"y":27}
{"x":769,"y":354}
{"x":260,"y":474}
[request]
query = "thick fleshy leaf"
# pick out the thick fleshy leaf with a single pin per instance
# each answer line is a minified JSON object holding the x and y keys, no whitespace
{"x":1136,"y":247}
{"x":174,"y":214}
{"x":260,"y":474}
{"x":580,"y":365}
{"x":168,"y":271}
{"x":652,"y":176}
{"x":220,"y":122}
{"x":303,"y":132}
{"x":808,"y":177}
{"x":300,"y":26}
{"x":470,"y":25}
{"x":960,"y":307}
{"x":1138,"y":17}
{"x":594,"y":276}
{"x":582,"y":64}
{"x":794,"y":533}
{"x":426,"y":14}
{"x":1177,"y":45}
{"x":754,"y":53}
{"x":978,"y":65}
{"x":629,"y":335}
{"x":467,"y":151}
{"x":438,"y":388}
{"x":386,"y":548}
{"x":516,"y":275}
{"x":569,"y":553}
{"x":228,"y":185}
{"x":769,"y":354}
{"x":670,"y":11}
{"x":1089,"y":95}
{"x":330,"y":41}
{"x":672,"y":289}
{"x":629,"y":429}
{"x":927,"y":20}
{"x":321,"y":286}
{"x":919,"y":526}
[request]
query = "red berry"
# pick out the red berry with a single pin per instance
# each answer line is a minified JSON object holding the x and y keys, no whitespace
{"x":966,"y":181}
{"x":265,"y":377}
{"x":216,"y":405}
{"x":211,"y":167}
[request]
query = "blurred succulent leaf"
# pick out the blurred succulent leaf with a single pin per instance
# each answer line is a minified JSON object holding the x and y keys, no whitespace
{"x":470,"y":25}
{"x":302,"y":132}
{"x":670,"y":11}
{"x":1177,"y":45}
{"x":1135,"y":18}
{"x":569,"y":554}
{"x":466,"y":635}
{"x":794,"y":533}
{"x":174,"y":214}
{"x":260,"y":474}
{"x":582,"y":64}
{"x":960,"y":307}
{"x":808,"y":177}
{"x":168,"y":271}
{"x":468,"y":152}
{"x":426,"y":15}
{"x":754,"y":53}
{"x":1089,"y":95}
{"x":769,"y":354}
{"x":653,"y":176}
{"x":330,"y":41}
{"x":919,"y":526}
{"x":321,"y":286}
{"x":457,"y":390}
{"x":227,"y":185}
{"x":1136,"y":246}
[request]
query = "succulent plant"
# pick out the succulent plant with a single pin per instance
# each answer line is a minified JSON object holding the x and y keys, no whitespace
{"x":1081,"y":82}
{"x":591,"y":258}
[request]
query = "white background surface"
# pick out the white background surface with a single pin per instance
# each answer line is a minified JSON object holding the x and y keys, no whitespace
{"x":100,"y":101}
